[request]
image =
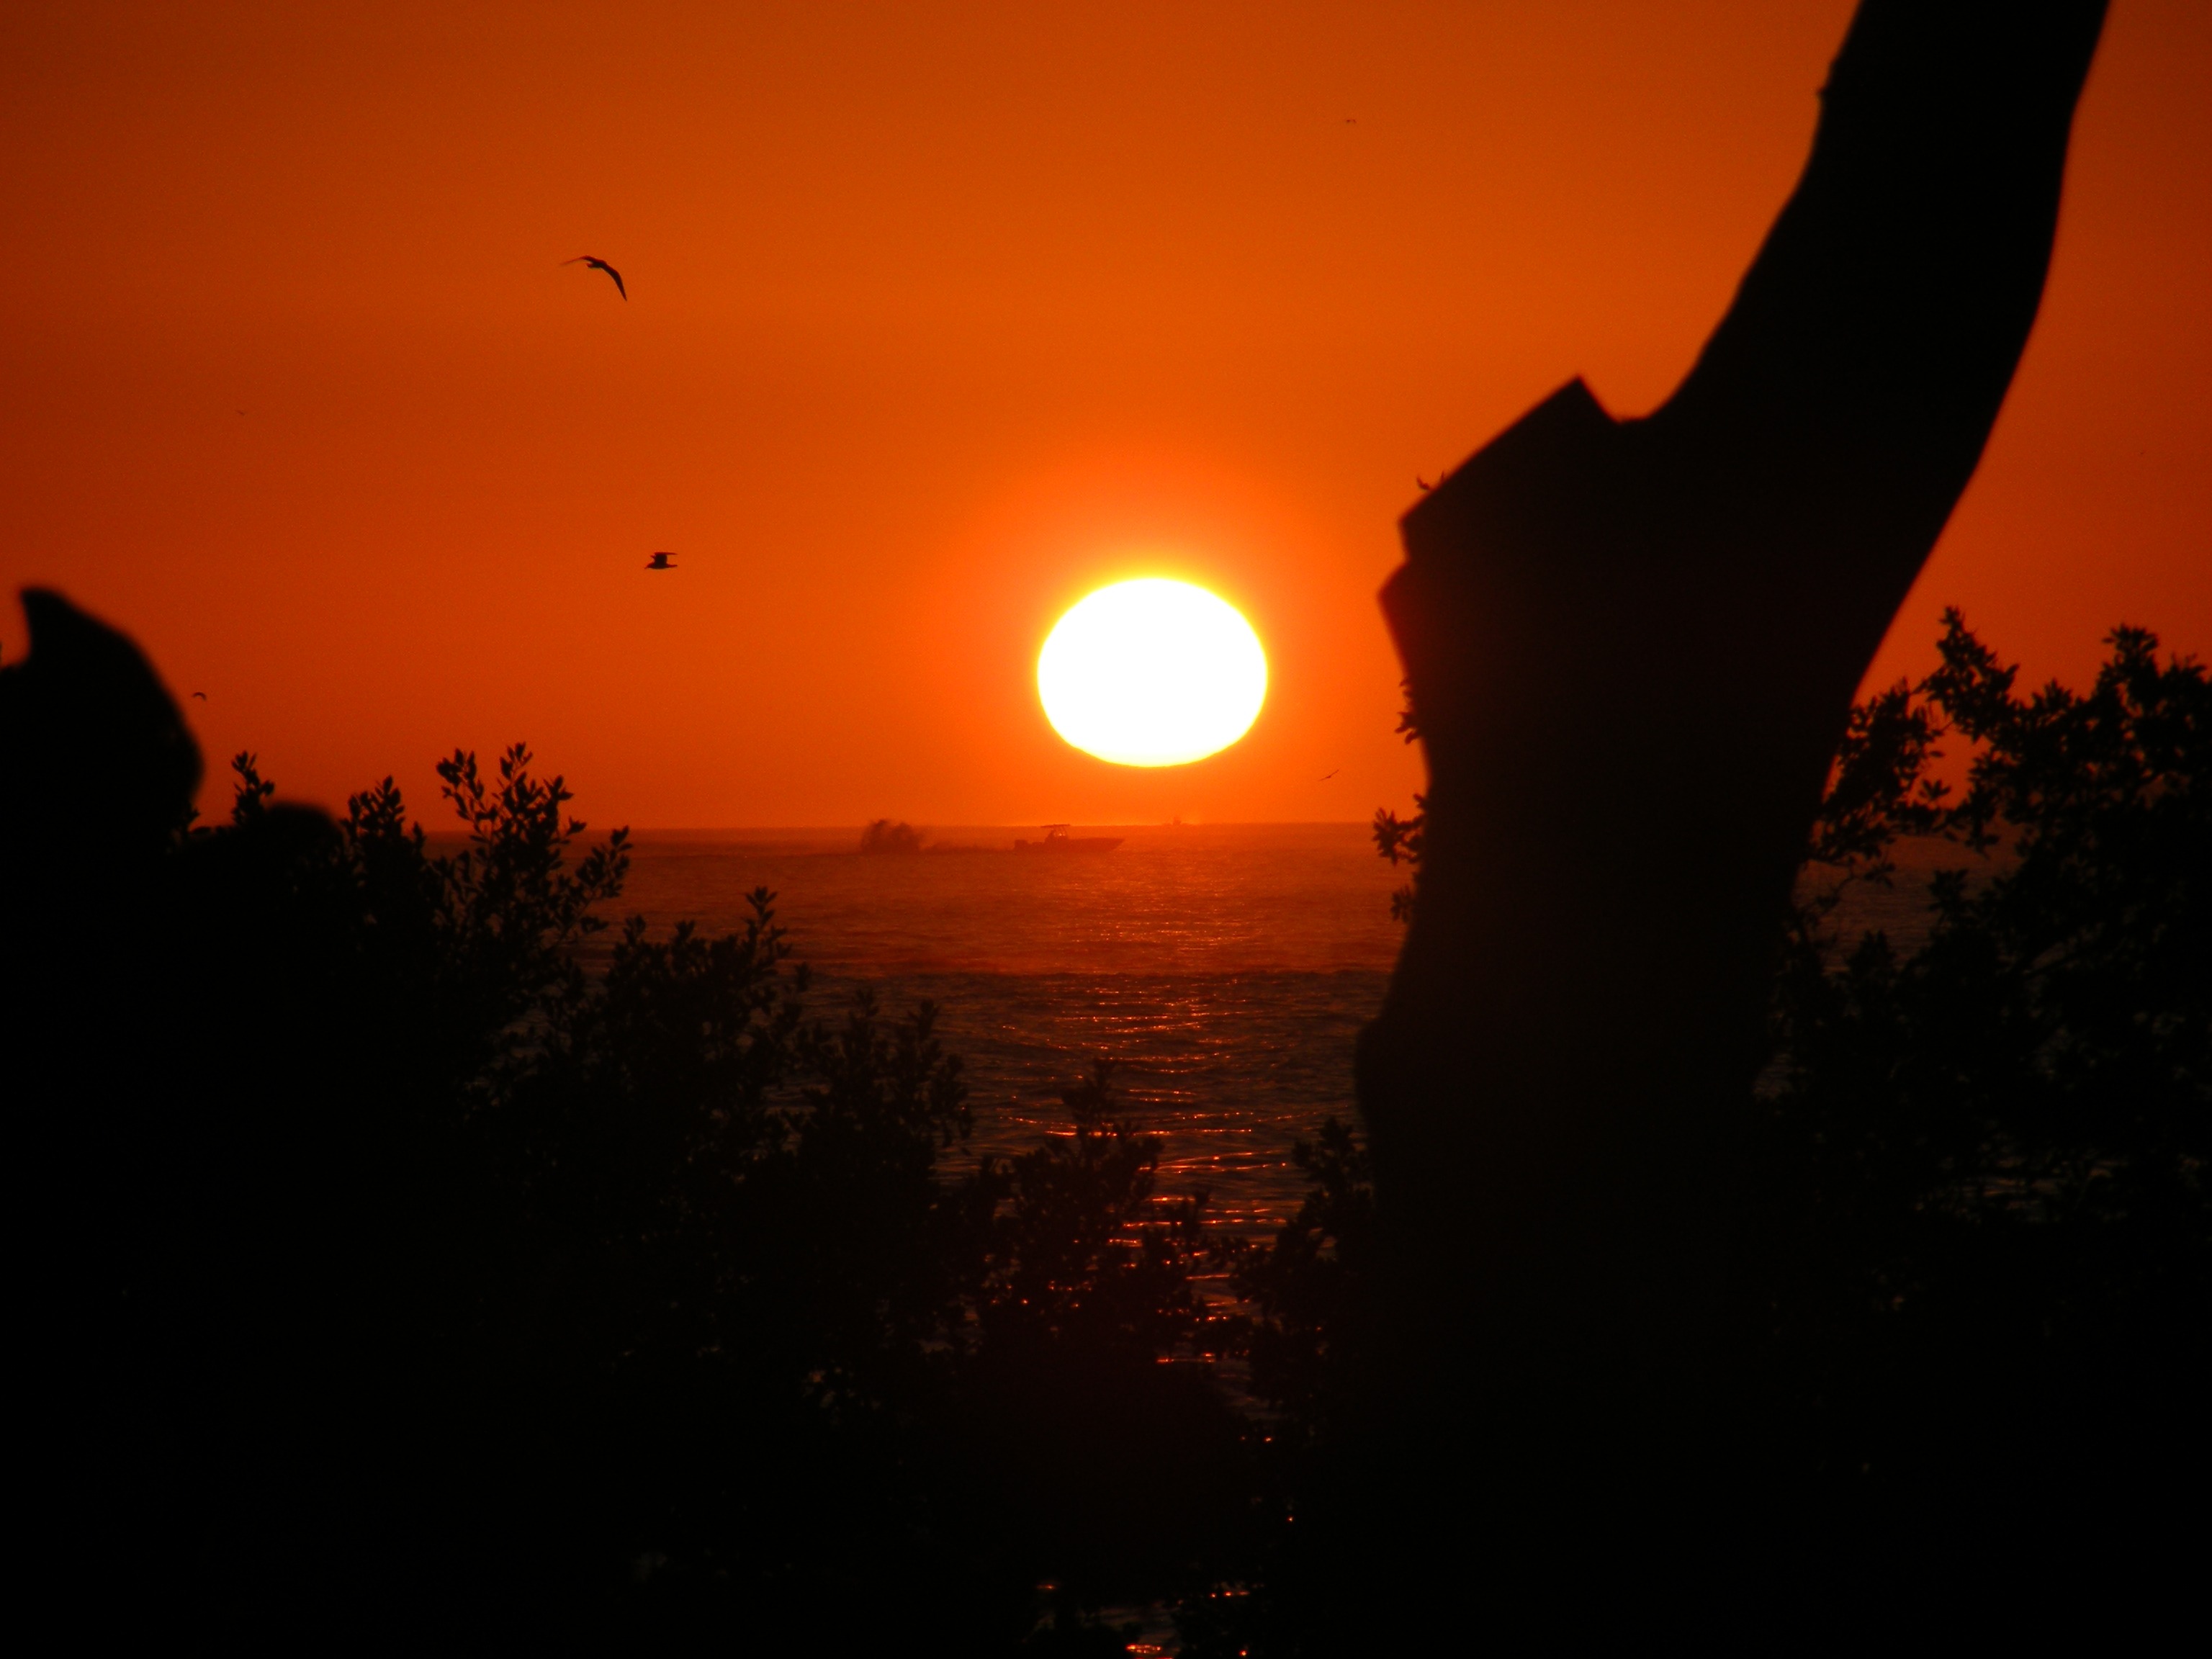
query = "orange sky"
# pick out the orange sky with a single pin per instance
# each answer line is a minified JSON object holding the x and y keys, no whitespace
{"x":940,"y":316}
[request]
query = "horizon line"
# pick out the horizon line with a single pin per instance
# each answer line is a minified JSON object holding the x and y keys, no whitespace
{"x":1010,"y":824}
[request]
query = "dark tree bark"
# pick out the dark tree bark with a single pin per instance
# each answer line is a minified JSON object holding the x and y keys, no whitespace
{"x":1631,"y":648}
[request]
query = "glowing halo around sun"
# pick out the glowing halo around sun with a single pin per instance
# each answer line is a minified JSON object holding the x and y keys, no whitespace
{"x":1152,"y":673}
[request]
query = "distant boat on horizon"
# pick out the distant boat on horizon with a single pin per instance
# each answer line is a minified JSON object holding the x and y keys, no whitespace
{"x":1057,"y":840}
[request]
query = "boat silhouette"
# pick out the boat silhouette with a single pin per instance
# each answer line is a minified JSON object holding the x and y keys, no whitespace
{"x":1057,"y":840}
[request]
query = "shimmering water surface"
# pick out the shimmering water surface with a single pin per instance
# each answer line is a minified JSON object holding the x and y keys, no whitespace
{"x":1226,"y":968}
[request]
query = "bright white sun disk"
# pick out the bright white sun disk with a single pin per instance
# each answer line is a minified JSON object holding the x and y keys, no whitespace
{"x":1152,"y":673}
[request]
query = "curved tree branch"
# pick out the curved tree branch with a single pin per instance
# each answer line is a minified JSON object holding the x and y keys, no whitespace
{"x":1632,"y":647}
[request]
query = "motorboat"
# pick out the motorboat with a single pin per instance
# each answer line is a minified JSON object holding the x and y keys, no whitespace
{"x":1057,"y":840}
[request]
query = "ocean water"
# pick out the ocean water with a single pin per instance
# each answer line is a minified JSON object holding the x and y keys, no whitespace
{"x":1225,"y":968}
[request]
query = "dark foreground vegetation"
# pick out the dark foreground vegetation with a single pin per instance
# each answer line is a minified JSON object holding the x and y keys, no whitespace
{"x":1983,"y":1255}
{"x":387,"y":1275}
{"x":1972,"y":1296}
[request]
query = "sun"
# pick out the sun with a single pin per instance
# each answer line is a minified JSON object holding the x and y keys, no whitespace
{"x":1152,"y":673}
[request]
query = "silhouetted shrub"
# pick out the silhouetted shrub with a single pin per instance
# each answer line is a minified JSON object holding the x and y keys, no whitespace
{"x":1106,"y":1432}
{"x":390,"y":1271}
{"x":652,"y":1295}
{"x":1985,"y":1251}
{"x":1311,"y":1292}
{"x":1976,"y":1234}
{"x":1309,"y":1335}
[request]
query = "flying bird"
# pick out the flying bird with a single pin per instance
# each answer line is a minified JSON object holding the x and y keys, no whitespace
{"x":597,"y":264}
{"x":1326,"y":777}
{"x":201,"y":695}
{"x":1425,"y":484}
{"x":659,"y":562}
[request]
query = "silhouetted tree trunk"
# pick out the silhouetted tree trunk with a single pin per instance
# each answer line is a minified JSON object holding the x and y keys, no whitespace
{"x":1631,"y":646}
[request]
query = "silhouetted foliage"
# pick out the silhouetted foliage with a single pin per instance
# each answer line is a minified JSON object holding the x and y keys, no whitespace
{"x":1310,"y":1338}
{"x":451,"y":1282}
{"x":1311,"y":1292}
{"x":463,"y":1268}
{"x":1089,"y":1365}
{"x":1981,"y":1163}
{"x":1975,"y":1238}
{"x":1397,"y":839}
{"x":704,"y":1242}
{"x":1988,"y":1238}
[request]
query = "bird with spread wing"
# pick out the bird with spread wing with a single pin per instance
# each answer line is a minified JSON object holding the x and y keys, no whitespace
{"x":597,"y":264}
